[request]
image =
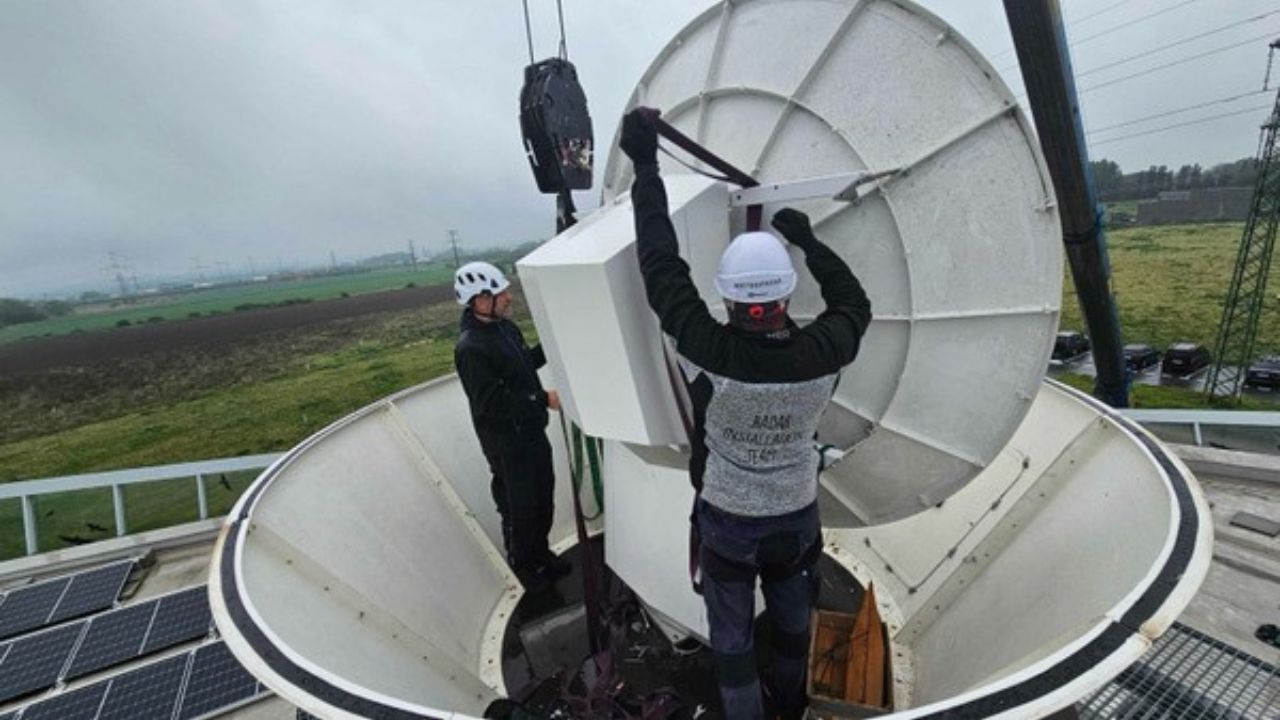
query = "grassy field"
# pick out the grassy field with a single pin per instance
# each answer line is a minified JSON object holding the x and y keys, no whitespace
{"x":260,"y":415}
{"x":1170,"y":283}
{"x":267,"y":413}
{"x":226,"y":299}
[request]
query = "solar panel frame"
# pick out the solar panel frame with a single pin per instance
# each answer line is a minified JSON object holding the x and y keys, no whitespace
{"x":216,"y":683}
{"x":112,"y":638}
{"x":80,"y":704}
{"x":29,"y":608}
{"x":153,"y":690}
{"x":180,"y":617}
{"x":91,"y":591}
{"x":34,"y":662}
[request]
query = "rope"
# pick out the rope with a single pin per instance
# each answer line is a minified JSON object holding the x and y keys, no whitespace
{"x":564,"y":47}
{"x":528,"y":31}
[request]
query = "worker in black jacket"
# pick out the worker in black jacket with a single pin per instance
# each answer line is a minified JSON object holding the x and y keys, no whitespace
{"x":509,"y":411}
{"x":758,"y":387}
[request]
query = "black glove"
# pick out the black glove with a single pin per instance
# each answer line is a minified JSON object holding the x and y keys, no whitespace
{"x":794,"y":226}
{"x":640,"y":136}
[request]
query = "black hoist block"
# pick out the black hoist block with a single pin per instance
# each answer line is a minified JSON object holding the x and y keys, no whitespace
{"x":556,"y":126}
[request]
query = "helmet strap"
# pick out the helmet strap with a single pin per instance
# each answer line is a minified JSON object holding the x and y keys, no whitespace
{"x":490,"y":316}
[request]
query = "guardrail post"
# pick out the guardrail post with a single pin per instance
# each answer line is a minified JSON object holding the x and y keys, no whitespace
{"x":117,"y":499}
{"x":202,"y":497}
{"x":1195,"y":431}
{"x":29,"y":524}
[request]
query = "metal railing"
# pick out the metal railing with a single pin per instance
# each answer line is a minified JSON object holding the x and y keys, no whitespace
{"x":1196,"y":421}
{"x":28,"y":490}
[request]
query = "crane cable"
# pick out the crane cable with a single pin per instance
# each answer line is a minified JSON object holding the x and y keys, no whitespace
{"x":528,"y":31}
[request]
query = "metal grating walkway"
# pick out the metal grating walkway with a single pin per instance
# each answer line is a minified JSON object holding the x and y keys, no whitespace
{"x":1190,"y":675}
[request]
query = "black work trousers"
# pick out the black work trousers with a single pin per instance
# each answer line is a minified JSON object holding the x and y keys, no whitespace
{"x":523,"y":488}
{"x":781,"y":552}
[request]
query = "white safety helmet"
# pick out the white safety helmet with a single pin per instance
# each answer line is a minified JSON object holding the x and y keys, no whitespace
{"x":755,"y":268}
{"x":478,"y":277}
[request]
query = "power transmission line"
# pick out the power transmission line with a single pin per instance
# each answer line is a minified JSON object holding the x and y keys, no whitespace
{"x":1084,"y":19}
{"x":1134,"y":21}
{"x":1179,"y":111}
{"x":1179,"y":125}
{"x":1153,"y":51}
{"x":1103,"y":11}
{"x":1175,"y":63}
{"x":1117,"y":28}
{"x":1183,"y":41}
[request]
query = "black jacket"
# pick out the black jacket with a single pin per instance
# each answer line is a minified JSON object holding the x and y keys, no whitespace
{"x":499,"y":373}
{"x":756,"y":398}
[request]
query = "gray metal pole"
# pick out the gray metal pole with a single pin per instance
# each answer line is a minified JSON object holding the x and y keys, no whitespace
{"x":117,"y":499}
{"x":1041,"y":43}
{"x":202,"y":497}
{"x":29,"y":531}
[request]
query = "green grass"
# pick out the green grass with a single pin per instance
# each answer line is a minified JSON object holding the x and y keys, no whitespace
{"x":1164,"y":397}
{"x":243,"y":420}
{"x":226,"y":299}
{"x":1170,"y":283}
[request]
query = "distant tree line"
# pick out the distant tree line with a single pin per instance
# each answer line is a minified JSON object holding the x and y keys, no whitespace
{"x":1115,"y":184}
{"x":15,"y":312}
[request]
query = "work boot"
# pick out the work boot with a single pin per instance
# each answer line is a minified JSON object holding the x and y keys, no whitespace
{"x":556,"y":567}
{"x":534,"y":580}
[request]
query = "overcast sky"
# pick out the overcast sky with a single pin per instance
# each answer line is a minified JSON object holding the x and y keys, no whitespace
{"x":177,"y":134}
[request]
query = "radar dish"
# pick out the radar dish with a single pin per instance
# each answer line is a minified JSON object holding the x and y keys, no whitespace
{"x":958,"y":247}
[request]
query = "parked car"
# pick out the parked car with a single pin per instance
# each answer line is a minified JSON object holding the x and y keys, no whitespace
{"x":1185,"y":359}
{"x":1264,"y":373}
{"x":1140,"y":357}
{"x":1069,"y":345}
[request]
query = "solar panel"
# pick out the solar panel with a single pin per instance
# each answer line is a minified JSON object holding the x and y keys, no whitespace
{"x":34,"y":662}
{"x":79,"y":704}
{"x":112,"y":638}
{"x":150,"y":691}
{"x":92,"y":591}
{"x":29,"y":608}
{"x":182,"y":616}
{"x":200,"y":683}
{"x":217,"y":681}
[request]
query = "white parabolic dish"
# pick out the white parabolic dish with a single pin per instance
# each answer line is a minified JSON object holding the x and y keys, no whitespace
{"x":959,"y":250}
